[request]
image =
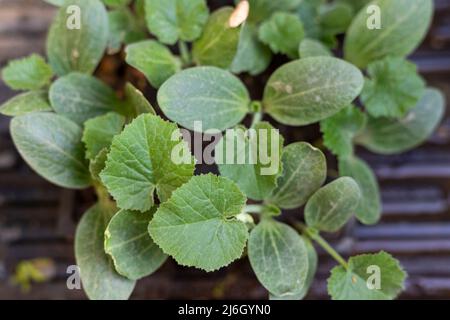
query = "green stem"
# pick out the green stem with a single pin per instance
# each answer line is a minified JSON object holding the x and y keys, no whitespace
{"x":314,"y":235}
{"x":184,"y":53}
{"x":257,"y":117}
{"x":254,"y":208}
{"x":102,"y":193}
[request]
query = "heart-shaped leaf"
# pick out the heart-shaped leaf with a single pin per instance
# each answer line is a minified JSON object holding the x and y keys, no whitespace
{"x":78,"y":37}
{"x":403,"y":25}
{"x":99,"y":132}
{"x":394,"y":87}
{"x":198,"y":225}
{"x":127,"y":241}
{"x":219,"y":42}
{"x":278,"y":257}
{"x":369,"y":208}
{"x":100,"y":280}
{"x":51,"y":145}
{"x":154,"y":60}
{"x":213,"y":96}
{"x":390,"y":136}
{"x":368,"y":277}
{"x":340,"y":129}
{"x":30,"y":73}
{"x":283,"y":33}
{"x":142,"y":161}
{"x":309,"y":90}
{"x":256,"y":159}
{"x":27,"y":102}
{"x":80,"y":97}
{"x":332,"y":205}
{"x":171,"y":20}
{"x":304,"y":171}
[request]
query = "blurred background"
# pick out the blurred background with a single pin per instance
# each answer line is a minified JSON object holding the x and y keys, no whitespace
{"x":38,"y":220}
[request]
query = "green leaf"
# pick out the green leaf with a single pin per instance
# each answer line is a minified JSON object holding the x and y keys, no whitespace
{"x":335,"y":18}
{"x":100,"y":131}
{"x":80,"y":97}
{"x":283,"y":33}
{"x":171,"y":20}
{"x":278,"y":257}
{"x":390,"y":136}
{"x":304,"y":171}
{"x":312,"y":268}
{"x":117,"y":3}
{"x":332,"y":205}
{"x":56,"y":2}
{"x":256,"y":159}
{"x":356,"y":283}
{"x":97,"y":164}
{"x":30,"y":73}
{"x":309,"y":90}
{"x":308,"y":12}
{"x":78,"y":49}
{"x":369,"y":208}
{"x":340,"y":129}
{"x":219,"y":43}
{"x":123,"y":28}
{"x":313,"y":48}
{"x":141,"y":161}
{"x":404,"y":24}
{"x":135,"y":102}
{"x":213,"y":96}
{"x":252,"y":56}
{"x":127,"y":241}
{"x":27,"y":102}
{"x":100,"y":280}
{"x":262,"y":9}
{"x":198,"y":225}
{"x":394,"y":87}
{"x":356,"y":4}
{"x":51,"y":145}
{"x":154,"y":60}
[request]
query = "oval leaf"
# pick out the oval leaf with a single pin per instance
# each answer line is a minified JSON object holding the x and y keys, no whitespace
{"x":312,"y":268}
{"x":256,"y":159}
{"x":51,"y":145}
{"x":304,"y":171}
{"x":219,"y":42}
{"x":127,"y":241}
{"x":308,"y":90}
{"x":313,"y":48}
{"x":80,"y":97}
{"x":332,"y":205}
{"x":135,"y":102}
{"x":198,"y":225}
{"x":154,"y":60}
{"x":80,"y":47}
{"x":369,"y":208}
{"x":210,"y":95}
{"x":27,"y":102}
{"x":390,"y":136}
{"x":404,"y":24}
{"x":278,"y":257}
{"x":353,"y":283}
{"x":100,"y":280}
{"x":141,"y":161}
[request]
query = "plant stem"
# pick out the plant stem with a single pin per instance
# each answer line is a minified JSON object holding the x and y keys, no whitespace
{"x":254,"y":208}
{"x":257,"y":117}
{"x":184,"y":53}
{"x":314,"y":235}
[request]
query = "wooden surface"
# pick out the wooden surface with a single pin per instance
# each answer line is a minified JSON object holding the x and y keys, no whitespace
{"x":38,"y":219}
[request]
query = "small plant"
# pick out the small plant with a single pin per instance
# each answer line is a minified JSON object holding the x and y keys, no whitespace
{"x":77,"y":133}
